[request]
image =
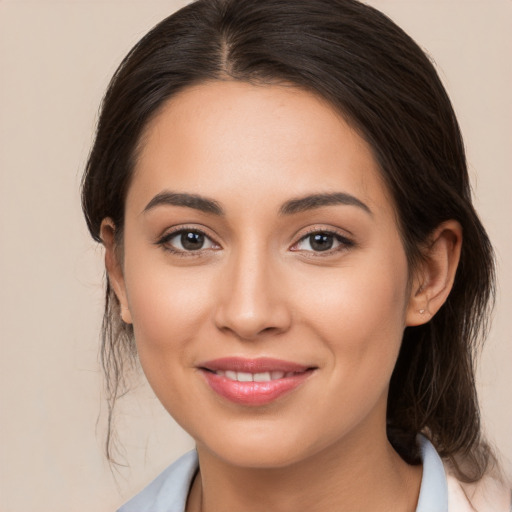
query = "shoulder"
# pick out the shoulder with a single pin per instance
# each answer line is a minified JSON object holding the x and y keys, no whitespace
{"x":168,"y":491}
{"x":486,"y":495}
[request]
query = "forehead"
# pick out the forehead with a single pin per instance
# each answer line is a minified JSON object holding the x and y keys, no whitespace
{"x":256,"y":140}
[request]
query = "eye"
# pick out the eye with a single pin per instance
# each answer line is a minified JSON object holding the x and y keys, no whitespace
{"x":322,"y":241}
{"x":187,"y":240}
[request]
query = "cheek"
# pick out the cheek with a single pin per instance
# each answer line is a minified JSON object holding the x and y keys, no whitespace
{"x":359,"y":318}
{"x":359,"y":313}
{"x":168,"y":309}
{"x":167,"y":304}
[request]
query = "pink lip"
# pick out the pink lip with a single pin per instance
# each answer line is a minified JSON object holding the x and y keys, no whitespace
{"x":253,"y":393}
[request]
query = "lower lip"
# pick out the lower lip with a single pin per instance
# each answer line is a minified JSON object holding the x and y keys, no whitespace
{"x":254,"y":393}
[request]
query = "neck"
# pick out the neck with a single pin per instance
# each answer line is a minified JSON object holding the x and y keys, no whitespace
{"x":364,"y":475}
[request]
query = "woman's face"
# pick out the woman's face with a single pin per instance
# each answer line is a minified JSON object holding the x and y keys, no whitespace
{"x":263,"y":273}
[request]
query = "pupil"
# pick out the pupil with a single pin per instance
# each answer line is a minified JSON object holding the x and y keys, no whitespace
{"x":192,"y":241}
{"x":321,"y":242}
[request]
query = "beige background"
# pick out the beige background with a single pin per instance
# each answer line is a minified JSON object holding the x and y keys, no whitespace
{"x":55,"y":60}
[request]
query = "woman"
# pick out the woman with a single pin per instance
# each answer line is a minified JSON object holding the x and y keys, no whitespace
{"x":293,"y":256}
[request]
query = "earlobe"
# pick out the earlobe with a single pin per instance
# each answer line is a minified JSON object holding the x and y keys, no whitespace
{"x":435,"y":274}
{"x":114,"y":267}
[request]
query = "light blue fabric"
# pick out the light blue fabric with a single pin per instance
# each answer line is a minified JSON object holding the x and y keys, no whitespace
{"x":434,"y":489}
{"x":169,"y":491}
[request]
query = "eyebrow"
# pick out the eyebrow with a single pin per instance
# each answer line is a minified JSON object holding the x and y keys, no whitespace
{"x":291,"y":207}
{"x":318,"y":200}
{"x":188,"y":200}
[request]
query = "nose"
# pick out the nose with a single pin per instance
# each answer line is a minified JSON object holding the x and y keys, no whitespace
{"x":253,"y":300}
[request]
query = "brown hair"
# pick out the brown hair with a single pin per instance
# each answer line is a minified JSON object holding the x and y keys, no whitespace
{"x":386,"y":87}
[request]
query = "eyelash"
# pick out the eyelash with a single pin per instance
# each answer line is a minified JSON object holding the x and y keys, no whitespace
{"x":165,"y":239}
{"x":344,"y":242}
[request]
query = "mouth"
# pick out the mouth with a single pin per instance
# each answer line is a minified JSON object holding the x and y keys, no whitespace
{"x":255,"y":377}
{"x":254,"y":382}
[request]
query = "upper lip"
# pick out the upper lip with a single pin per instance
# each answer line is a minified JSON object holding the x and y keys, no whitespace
{"x":258,"y":365}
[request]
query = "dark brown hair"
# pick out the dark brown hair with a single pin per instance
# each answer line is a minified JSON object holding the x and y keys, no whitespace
{"x":385,"y":86}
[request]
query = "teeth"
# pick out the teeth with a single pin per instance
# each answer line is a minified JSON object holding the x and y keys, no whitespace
{"x":256,"y":377}
{"x":261,"y":377}
{"x":244,"y":377}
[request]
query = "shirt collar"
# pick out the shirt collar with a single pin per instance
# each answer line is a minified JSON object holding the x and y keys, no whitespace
{"x":434,"y":490}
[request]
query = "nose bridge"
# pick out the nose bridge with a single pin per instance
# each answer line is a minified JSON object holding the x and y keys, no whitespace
{"x":252,"y":300}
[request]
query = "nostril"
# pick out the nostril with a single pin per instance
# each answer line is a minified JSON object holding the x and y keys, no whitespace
{"x":250,"y":310}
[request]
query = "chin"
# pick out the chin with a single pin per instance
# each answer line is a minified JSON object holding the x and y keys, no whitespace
{"x":257,"y":455}
{"x":264,"y":445}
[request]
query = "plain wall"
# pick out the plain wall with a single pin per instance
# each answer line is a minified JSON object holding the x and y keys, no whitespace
{"x":56,"y":58}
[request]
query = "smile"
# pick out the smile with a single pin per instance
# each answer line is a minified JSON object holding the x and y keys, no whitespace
{"x":254,"y":377}
{"x":253,"y":382}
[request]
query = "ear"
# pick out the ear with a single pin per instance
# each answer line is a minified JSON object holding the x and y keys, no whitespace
{"x":114,"y":267}
{"x":433,"y":279}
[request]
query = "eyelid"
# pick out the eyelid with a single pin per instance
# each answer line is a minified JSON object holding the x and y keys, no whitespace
{"x":168,"y":235}
{"x":345,"y":241}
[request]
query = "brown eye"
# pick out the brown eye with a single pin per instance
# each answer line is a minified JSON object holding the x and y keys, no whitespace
{"x":187,"y":240}
{"x":192,"y":241}
{"x":323,"y":241}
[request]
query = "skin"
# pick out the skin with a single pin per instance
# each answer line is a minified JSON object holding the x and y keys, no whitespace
{"x":258,"y":289}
